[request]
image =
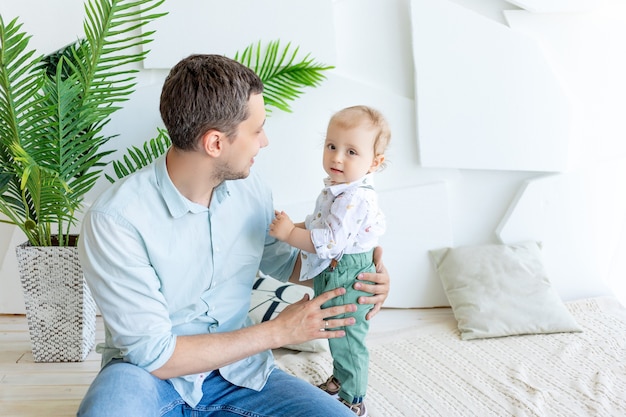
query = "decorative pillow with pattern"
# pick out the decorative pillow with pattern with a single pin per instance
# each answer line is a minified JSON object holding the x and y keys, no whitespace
{"x":270,"y":296}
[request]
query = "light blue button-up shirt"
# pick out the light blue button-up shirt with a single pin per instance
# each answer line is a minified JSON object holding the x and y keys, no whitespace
{"x":160,"y":265}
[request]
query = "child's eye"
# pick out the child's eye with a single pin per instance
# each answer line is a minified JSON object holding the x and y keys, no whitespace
{"x":352,"y":152}
{"x":330,"y":146}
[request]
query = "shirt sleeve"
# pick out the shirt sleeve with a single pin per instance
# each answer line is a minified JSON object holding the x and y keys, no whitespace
{"x":279,"y":258}
{"x":126,"y":290}
{"x":348,"y":214}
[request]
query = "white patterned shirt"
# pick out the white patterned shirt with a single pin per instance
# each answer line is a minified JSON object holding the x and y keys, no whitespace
{"x":346,"y":220}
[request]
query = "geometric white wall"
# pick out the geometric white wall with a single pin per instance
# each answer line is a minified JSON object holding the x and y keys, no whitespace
{"x":580,"y":218}
{"x":486,"y":96}
{"x":480,"y":98}
{"x":52,"y":24}
{"x":417,"y":222}
{"x":225,"y":27}
{"x":580,"y":214}
{"x":587,"y":51}
{"x":558,"y":6}
{"x":371,"y":51}
{"x":11,"y":298}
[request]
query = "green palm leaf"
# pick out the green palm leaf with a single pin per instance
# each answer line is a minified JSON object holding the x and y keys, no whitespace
{"x":19,"y":98}
{"x":283,"y":77}
{"x":137,"y":158}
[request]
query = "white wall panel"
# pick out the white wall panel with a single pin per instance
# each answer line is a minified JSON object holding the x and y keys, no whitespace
{"x":578,"y":217}
{"x":52,"y":24}
{"x":557,"y":6}
{"x":368,"y":51}
{"x":11,"y":298}
{"x":486,"y":96}
{"x":587,"y":52}
{"x":417,"y":221}
{"x":617,"y":270}
{"x":225,"y":27}
{"x":6,"y":234}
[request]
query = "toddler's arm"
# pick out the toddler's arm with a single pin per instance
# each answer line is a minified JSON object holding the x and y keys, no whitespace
{"x":282,"y":228}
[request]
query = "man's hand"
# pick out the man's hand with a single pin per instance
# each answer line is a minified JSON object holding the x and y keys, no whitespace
{"x":306,"y":320}
{"x":380,"y":286}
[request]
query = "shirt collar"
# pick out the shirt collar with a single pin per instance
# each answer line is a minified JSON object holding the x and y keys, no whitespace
{"x":177,"y":204}
{"x":336,"y":189}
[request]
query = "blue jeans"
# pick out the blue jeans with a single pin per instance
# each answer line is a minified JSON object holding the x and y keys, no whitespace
{"x":123,"y":389}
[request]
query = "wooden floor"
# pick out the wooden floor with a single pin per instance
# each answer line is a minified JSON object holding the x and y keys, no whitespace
{"x":29,"y":389}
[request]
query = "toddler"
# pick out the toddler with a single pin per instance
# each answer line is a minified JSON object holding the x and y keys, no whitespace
{"x":338,"y":238}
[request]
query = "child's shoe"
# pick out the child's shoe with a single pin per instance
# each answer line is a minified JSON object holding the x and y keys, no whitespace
{"x":358,"y":409}
{"x":331,"y":386}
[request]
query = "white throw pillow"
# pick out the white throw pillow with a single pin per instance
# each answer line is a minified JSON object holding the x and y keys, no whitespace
{"x":270,"y":296}
{"x":501,"y":290}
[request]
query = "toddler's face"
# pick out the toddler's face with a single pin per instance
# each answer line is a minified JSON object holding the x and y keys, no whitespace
{"x":349,"y":153}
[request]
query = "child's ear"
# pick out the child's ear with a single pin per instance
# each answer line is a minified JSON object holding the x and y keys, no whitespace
{"x":377,"y":162}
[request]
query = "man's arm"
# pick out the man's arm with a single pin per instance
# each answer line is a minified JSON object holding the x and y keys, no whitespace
{"x":297,"y":323}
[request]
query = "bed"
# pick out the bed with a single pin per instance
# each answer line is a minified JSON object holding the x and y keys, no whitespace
{"x":420,"y":366}
{"x":507,"y":345}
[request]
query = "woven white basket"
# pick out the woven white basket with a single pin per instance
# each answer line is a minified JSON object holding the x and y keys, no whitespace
{"x":60,"y":311}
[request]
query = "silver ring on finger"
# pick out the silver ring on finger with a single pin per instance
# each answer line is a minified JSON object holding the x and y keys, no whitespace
{"x":325,"y":326}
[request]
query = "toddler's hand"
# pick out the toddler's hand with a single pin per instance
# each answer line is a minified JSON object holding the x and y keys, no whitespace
{"x":281,"y":226}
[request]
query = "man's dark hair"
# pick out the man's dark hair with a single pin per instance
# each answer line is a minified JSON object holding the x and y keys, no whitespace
{"x":204,"y":92}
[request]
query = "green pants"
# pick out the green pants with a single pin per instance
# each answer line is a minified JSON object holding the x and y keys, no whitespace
{"x":350,"y":355}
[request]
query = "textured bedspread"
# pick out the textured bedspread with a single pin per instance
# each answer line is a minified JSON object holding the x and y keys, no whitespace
{"x":427,"y":370}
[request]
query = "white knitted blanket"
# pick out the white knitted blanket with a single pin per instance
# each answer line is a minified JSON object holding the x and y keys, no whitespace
{"x":427,"y":370}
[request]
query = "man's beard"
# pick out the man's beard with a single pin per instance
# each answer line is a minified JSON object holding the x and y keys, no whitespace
{"x":226,"y":173}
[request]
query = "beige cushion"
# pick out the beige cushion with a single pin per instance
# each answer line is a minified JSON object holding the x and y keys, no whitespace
{"x":501,"y":290}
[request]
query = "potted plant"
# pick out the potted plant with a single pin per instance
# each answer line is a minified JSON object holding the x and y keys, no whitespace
{"x":52,"y":112}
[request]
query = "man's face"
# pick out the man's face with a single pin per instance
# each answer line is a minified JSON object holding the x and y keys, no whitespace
{"x":250,"y":138}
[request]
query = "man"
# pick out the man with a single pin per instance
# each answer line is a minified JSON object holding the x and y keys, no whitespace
{"x":171,"y":252}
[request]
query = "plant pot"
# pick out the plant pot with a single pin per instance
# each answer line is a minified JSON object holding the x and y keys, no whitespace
{"x":60,"y":311}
